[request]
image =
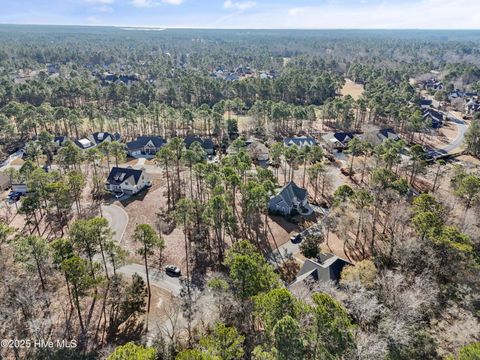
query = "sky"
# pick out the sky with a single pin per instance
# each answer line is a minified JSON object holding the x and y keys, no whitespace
{"x":250,"y":14}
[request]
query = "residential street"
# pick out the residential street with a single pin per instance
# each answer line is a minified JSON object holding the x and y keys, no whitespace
{"x":118,"y":220}
{"x":458,"y":141}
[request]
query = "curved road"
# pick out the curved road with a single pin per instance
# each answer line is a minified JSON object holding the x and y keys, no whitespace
{"x":460,"y":138}
{"x":118,"y":220}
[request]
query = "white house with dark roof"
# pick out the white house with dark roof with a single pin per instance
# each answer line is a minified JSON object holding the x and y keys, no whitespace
{"x":126,"y":180}
{"x":145,"y":146}
{"x":291,"y":200}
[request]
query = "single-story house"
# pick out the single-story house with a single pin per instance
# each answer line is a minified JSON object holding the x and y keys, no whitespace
{"x":4,"y":181}
{"x":327,"y":267}
{"x":338,"y":140}
{"x":301,"y":142}
{"x":145,"y":145}
{"x":207,"y":144}
{"x":291,"y":200}
{"x":127,"y":180}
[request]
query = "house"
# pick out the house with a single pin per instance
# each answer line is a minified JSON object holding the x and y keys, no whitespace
{"x":458,"y":94}
{"x":59,"y":141}
{"x":384,"y":134}
{"x":53,"y":69}
{"x":207,"y":144}
{"x":4,"y":181}
{"x":20,"y":188}
{"x":426,"y":103}
{"x":472,"y":106}
{"x":99,"y":137}
{"x":327,"y":267}
{"x":338,"y":140}
{"x":434,"y":117}
{"x":432,"y":84}
{"x":290,"y":201}
{"x":258,"y":151}
{"x":299,"y":141}
{"x":145,"y":145}
{"x":84,"y":143}
{"x":126,"y":180}
{"x":96,"y":139}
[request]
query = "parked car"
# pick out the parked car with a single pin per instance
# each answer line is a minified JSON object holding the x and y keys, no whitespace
{"x":173,"y":270}
{"x":119,"y":195}
{"x":296,"y":238}
{"x":14,"y":196}
{"x":149,"y":184}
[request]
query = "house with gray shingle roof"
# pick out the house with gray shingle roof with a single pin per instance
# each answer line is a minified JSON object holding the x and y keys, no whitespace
{"x":145,"y":145}
{"x":127,"y":180}
{"x":327,"y":267}
{"x":301,"y":142}
{"x":291,"y":200}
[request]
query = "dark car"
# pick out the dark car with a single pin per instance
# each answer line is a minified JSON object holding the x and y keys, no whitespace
{"x":172,"y":270}
{"x":14,"y":197}
{"x":296,"y":238}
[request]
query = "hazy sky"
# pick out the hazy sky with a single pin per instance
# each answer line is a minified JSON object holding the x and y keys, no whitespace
{"x":320,"y":14}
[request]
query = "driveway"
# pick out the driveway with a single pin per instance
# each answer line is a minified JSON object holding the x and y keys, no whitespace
{"x":460,"y":138}
{"x":118,"y":220}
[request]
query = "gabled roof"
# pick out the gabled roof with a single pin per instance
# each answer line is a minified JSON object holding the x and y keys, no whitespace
{"x":99,"y":137}
{"x":289,"y":196}
{"x":118,"y":175}
{"x":142,"y":141}
{"x":435,"y":116}
{"x":300,"y":141}
{"x":384,"y":134}
{"x":206,"y":143}
{"x":327,"y":267}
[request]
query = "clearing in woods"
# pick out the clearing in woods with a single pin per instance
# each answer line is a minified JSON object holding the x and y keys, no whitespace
{"x":352,"y":89}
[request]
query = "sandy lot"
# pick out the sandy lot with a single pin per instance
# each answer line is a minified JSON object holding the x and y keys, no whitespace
{"x":443,"y":137}
{"x":352,"y":89}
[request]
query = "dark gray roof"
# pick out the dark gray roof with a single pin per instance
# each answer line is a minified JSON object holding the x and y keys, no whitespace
{"x":118,"y":175}
{"x":60,"y":139}
{"x":99,"y":137}
{"x":328,"y":267}
{"x":435,"y":116}
{"x":207,"y":143}
{"x":289,"y":195}
{"x":384,"y":134}
{"x":141,"y":141}
{"x":426,"y":102}
{"x":300,"y":141}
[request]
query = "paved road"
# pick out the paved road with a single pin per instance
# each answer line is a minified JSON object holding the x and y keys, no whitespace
{"x":459,"y":140}
{"x":12,"y":157}
{"x":118,"y":220}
